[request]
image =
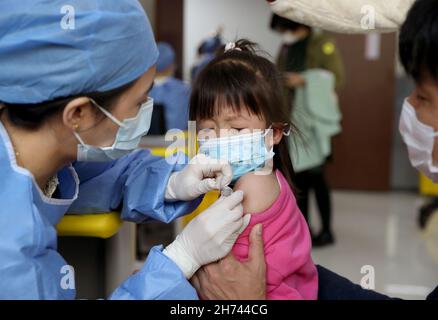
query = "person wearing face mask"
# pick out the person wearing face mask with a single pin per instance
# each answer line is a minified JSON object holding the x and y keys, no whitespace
{"x":73,"y":107}
{"x":303,"y":49}
{"x":305,"y":53}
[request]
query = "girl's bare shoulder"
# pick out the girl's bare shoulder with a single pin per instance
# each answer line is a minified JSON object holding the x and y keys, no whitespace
{"x":261,"y":191}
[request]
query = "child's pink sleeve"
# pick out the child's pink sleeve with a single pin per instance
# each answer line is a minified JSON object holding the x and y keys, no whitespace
{"x":298,"y":285}
{"x":282,"y":291}
{"x":291,"y":273}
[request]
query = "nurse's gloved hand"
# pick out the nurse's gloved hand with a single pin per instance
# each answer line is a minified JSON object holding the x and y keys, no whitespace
{"x":210,"y":236}
{"x":200,"y":176}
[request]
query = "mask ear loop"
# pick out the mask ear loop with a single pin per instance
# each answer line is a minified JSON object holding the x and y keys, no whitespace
{"x":286,"y":130}
{"x":108,"y":114}
{"x":78,"y":137}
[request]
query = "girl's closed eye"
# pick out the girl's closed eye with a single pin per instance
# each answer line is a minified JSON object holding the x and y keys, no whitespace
{"x":422,"y":98}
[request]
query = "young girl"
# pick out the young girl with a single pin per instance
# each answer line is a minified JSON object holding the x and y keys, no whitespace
{"x":237,"y":103}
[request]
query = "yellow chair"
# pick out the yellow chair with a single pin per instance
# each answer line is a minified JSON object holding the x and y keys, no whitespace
{"x":102,"y":226}
{"x":427,"y":187}
{"x":209,"y":199}
{"x":106,"y":225}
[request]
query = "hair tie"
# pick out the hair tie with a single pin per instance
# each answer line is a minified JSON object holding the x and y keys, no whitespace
{"x":231,"y":46}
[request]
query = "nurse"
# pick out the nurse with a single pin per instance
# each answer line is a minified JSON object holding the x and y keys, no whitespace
{"x":170,"y":93}
{"x":74,"y":85}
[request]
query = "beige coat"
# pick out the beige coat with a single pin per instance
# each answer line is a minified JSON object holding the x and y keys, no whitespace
{"x":346,"y":16}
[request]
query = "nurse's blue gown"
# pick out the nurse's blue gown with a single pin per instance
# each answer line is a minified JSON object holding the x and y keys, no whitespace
{"x":31,"y":267}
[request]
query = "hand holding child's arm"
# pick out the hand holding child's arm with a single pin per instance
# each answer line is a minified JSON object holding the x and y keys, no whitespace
{"x":209,"y":236}
{"x":230,"y":279}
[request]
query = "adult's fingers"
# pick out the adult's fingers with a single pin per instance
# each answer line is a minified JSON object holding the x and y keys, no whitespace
{"x":235,"y":214}
{"x":245,"y":222}
{"x":229,"y":258}
{"x":195,"y":282}
{"x":214,"y":168}
{"x":204,"y":282}
{"x":223,"y":180}
{"x":207,"y":185}
{"x":233,"y":201}
{"x":256,"y":252}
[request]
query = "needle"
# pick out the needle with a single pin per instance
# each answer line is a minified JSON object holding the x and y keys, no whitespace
{"x":226,"y":191}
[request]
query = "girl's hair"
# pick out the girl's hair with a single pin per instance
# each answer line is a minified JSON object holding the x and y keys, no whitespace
{"x":32,"y":116}
{"x":242,"y":79}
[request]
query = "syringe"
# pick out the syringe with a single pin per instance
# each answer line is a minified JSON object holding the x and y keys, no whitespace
{"x":226,"y":191}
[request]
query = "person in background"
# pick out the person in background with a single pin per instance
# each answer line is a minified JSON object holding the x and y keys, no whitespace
{"x":169,"y":92}
{"x":206,"y":53}
{"x":304,"y":50}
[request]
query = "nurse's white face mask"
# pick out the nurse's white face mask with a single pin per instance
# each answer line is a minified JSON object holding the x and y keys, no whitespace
{"x":420,"y":139}
{"x":128,"y":136}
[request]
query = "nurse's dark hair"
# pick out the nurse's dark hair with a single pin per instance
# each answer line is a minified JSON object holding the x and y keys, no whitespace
{"x":32,"y":116}
{"x":419,"y":40}
{"x":244,"y":79}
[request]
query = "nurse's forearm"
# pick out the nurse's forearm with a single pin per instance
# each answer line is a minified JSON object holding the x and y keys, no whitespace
{"x":345,"y":16}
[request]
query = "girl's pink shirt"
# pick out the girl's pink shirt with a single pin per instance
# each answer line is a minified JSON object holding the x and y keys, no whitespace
{"x":291,"y":273}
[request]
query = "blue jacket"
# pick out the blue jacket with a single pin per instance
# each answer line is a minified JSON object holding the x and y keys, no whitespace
{"x":30,"y":265}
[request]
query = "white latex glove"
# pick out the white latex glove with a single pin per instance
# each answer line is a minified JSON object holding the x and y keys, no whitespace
{"x":210,"y":236}
{"x":200,"y":176}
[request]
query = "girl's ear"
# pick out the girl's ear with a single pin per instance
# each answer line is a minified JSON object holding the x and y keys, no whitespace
{"x":273,"y":137}
{"x":277,"y":135}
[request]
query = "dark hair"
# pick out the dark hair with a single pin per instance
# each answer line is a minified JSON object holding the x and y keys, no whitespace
{"x":278,"y":22}
{"x":419,"y":40}
{"x":32,"y":116}
{"x":243,"y":79}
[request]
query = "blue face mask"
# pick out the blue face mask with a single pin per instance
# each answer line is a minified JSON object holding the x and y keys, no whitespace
{"x":127,"y":140}
{"x":246,"y":152}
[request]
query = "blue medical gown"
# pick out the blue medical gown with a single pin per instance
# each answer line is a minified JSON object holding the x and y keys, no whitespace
{"x":174,"y":96}
{"x":31,"y":267}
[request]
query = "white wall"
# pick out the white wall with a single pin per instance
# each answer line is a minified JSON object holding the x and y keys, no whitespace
{"x":240,"y":18}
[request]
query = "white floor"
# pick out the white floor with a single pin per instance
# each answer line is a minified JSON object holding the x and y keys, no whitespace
{"x":381,"y":230}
